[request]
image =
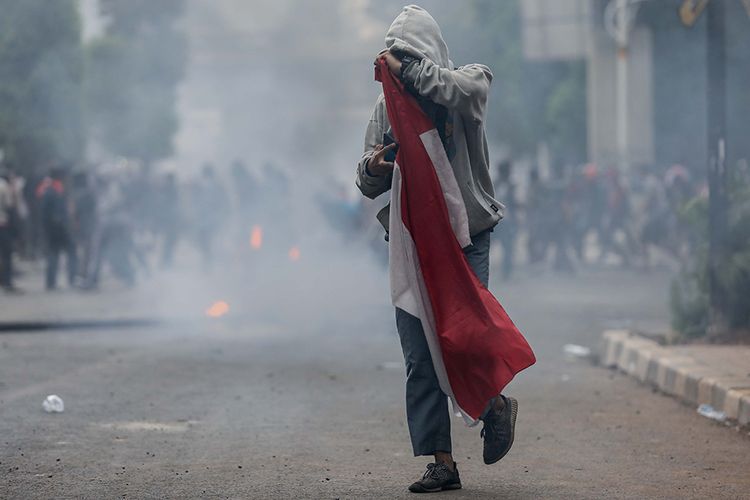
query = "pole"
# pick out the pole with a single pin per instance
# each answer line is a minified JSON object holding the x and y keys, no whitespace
{"x":621,"y":71}
{"x":717,"y":171}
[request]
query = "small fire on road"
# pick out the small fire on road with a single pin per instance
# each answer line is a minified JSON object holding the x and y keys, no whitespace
{"x":294,"y":254}
{"x":217,"y":309}
{"x":256,"y":238}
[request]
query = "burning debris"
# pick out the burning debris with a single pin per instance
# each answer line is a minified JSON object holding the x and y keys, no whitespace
{"x":256,"y":238}
{"x":294,"y":254}
{"x":217,"y":309}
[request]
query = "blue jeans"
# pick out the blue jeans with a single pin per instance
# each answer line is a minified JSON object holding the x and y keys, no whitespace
{"x":426,"y":404}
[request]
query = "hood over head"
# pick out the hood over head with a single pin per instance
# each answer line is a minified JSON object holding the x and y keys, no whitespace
{"x":415,"y":32}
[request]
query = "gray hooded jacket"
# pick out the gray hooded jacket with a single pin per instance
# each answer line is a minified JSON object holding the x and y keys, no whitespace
{"x":463,"y":91}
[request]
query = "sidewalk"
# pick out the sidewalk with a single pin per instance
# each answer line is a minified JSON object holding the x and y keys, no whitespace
{"x":717,"y":375}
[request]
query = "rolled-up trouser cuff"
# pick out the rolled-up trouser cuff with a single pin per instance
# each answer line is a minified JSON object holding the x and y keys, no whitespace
{"x":437,"y":445}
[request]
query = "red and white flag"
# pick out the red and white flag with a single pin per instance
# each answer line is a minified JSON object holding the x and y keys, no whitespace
{"x":476,"y":349}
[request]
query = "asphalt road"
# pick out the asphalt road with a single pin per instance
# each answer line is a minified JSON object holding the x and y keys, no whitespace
{"x":238,"y":409}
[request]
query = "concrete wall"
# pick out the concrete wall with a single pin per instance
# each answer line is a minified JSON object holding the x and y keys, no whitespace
{"x":667,"y":79}
{"x":602,"y":130}
{"x":679,"y":85}
{"x":555,"y":30}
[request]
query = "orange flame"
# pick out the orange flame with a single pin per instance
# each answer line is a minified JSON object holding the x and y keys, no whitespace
{"x":294,"y":254}
{"x":217,"y":309}
{"x":256,"y":238}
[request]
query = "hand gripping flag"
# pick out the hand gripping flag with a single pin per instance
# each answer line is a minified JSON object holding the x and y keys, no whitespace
{"x":476,"y":349}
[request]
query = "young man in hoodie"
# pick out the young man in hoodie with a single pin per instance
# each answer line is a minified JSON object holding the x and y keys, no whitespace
{"x":455,"y":99}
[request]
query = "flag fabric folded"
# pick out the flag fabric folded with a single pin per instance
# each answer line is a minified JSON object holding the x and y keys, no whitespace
{"x":476,"y":349}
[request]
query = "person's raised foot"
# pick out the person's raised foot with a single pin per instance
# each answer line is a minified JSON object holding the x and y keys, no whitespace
{"x":499,"y":430}
{"x":437,"y":477}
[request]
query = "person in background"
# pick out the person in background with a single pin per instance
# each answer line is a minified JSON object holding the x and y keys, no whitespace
{"x":657,"y":225}
{"x":19,"y":215}
{"x":246,"y":192}
{"x":245,"y":189}
{"x":55,"y":218}
{"x":587,"y":202}
{"x":616,"y":220}
{"x":210,"y":203}
{"x":114,"y":239}
{"x":85,"y":218}
{"x":537,"y":199}
{"x":505,"y":189}
{"x":8,"y":226}
{"x":559,"y":217}
{"x":168,"y":215}
{"x":277,"y":206}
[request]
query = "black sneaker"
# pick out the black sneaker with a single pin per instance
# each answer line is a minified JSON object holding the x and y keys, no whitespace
{"x":437,"y":477}
{"x":499,"y":430}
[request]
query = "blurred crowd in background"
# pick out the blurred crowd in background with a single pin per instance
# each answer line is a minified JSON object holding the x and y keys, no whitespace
{"x":569,"y":216}
{"x":123,"y":220}
{"x":129,"y":222}
{"x":591,"y":214}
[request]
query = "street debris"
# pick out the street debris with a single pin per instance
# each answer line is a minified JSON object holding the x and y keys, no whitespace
{"x":708,"y":411}
{"x":135,"y":426}
{"x":53,"y":404}
{"x":576,"y":351}
{"x":217,"y":309}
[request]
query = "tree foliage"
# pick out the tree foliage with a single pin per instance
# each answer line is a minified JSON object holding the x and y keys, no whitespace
{"x":531,"y":101}
{"x":565,"y":114}
{"x":132,"y":76}
{"x":41,"y":70}
{"x":690,"y":291}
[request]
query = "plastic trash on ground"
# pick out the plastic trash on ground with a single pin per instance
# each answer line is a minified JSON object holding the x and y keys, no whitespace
{"x":53,"y":404}
{"x":576,"y":351}
{"x":708,"y":411}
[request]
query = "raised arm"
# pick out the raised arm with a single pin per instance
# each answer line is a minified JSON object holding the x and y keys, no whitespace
{"x":464,"y":89}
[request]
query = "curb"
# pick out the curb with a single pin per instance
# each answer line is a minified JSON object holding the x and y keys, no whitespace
{"x":676,"y":374}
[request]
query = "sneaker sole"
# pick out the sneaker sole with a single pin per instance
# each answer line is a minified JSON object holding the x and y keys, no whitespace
{"x":513,"y":415}
{"x":437,"y":490}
